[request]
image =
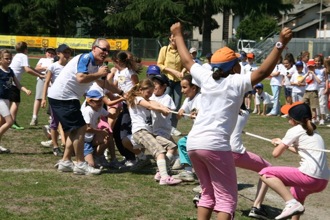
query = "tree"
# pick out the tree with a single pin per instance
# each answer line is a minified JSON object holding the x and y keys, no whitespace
{"x":251,"y":28}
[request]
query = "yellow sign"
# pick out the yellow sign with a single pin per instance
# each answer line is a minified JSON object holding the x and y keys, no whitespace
{"x":74,"y":43}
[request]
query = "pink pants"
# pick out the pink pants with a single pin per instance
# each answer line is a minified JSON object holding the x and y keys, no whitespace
{"x":250,"y":161}
{"x":217,"y":175}
{"x":301,"y":184}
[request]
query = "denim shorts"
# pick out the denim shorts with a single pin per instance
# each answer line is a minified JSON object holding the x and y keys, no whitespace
{"x":88,"y":148}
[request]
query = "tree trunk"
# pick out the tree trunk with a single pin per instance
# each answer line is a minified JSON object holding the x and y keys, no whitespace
{"x":206,"y":29}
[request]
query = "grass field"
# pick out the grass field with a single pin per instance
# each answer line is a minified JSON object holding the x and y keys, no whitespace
{"x":31,"y":188}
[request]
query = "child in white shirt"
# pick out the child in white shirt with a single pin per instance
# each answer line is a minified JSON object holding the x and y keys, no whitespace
{"x":264,"y":98}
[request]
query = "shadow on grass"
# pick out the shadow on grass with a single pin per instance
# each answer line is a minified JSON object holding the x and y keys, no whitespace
{"x":241,"y":186}
{"x":271,"y":211}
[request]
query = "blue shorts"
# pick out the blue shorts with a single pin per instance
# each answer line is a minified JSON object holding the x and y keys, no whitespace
{"x":88,"y":148}
{"x":68,"y":113}
{"x":288,"y":92}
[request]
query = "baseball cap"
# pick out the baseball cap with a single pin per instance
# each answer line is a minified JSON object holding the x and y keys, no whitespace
{"x":311,"y":62}
{"x":93,"y":95}
{"x":297,"y":110}
{"x":243,"y":54}
{"x":299,"y":63}
{"x":61,"y":48}
{"x":153,"y":70}
{"x":224,"y":59}
{"x":192,"y":50}
{"x":259,"y":85}
{"x":160,"y":77}
{"x":250,"y":55}
{"x":50,"y":49}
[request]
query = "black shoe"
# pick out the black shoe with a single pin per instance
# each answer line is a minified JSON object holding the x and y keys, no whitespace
{"x":196,"y":199}
{"x":57,"y":151}
{"x":258,"y":213}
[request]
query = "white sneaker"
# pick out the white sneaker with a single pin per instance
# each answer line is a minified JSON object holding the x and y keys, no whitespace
{"x":321,"y":122}
{"x":4,"y":150}
{"x":34,"y":122}
{"x":175,"y":132}
{"x":46,"y":130}
{"x":84,"y":168}
{"x":65,"y":166}
{"x":197,"y":189}
{"x":290,"y":210}
{"x":48,"y":143}
{"x":130,"y":163}
{"x":177,"y":164}
{"x":284,"y":116}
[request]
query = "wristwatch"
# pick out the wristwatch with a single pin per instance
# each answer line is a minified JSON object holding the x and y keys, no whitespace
{"x":279,"y":45}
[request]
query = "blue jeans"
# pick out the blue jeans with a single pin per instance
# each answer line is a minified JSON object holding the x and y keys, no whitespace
{"x":174,"y":90}
{"x":276,"y":90}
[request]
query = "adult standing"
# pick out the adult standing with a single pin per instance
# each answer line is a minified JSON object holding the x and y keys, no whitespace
{"x":41,"y":66}
{"x":170,"y":64}
{"x":73,"y":81}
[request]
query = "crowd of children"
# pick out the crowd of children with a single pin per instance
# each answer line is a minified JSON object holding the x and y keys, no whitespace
{"x":135,"y":116}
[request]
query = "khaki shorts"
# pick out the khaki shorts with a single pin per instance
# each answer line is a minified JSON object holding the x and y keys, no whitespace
{"x":155,"y":144}
{"x":311,"y":98}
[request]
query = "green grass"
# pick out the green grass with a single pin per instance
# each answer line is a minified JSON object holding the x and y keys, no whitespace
{"x":45,"y":193}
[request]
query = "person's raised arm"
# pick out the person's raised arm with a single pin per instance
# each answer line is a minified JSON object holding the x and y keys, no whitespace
{"x":268,"y":65}
{"x":176,"y":30}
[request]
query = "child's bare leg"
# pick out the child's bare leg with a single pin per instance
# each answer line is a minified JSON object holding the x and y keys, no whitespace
{"x":6,"y":123}
{"x":260,"y":195}
{"x":90,"y":160}
{"x":63,"y":137}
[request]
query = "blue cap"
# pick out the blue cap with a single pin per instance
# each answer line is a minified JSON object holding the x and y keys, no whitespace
{"x":153,"y":70}
{"x":209,"y":55}
{"x":299,"y":63}
{"x":243,"y":54}
{"x":259,"y":85}
{"x":94,"y":94}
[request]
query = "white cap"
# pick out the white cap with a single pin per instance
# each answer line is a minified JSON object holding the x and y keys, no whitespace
{"x":192,"y":50}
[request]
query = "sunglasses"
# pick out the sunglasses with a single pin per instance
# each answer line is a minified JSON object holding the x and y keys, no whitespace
{"x":103,"y":49}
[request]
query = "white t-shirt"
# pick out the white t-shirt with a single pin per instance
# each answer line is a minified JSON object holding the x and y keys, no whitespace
{"x":297,"y":77}
{"x":249,"y":68}
{"x":45,"y":62}
{"x":236,"y":142}
{"x":264,"y":98}
{"x":189,"y":104}
{"x":66,"y":86}
{"x":288,"y":75}
{"x":55,"y":70}
{"x":313,"y":85}
{"x":161,"y":125}
{"x":207,"y":65}
{"x":140,"y":116}
{"x":20,"y":60}
{"x":312,"y":163}
{"x":124,"y":79}
{"x":92,"y":118}
{"x":277,"y":80}
{"x":221,"y":101}
{"x":321,"y":75}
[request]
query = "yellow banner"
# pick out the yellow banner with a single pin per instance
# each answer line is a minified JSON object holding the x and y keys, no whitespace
{"x":74,"y":43}
{"x":6,"y":40}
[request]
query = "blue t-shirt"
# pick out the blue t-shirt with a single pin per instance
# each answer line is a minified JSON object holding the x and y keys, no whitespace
{"x":6,"y":82}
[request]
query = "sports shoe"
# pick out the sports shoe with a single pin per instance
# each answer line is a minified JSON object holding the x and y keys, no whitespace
{"x":100,"y":161}
{"x":17,"y":127}
{"x":321,"y":122}
{"x":46,"y":130}
{"x":157,"y":177}
{"x":185,"y":176}
{"x":254,"y":111}
{"x":175,"y":132}
{"x":129,"y":163}
{"x":169,"y":181}
{"x":48,"y":143}
{"x":290,"y":210}
{"x":57,"y":151}
{"x":258,"y":213}
{"x":140,"y":164}
{"x":197,"y":189}
{"x":177,"y":164}
{"x":84,"y":168}
{"x":34,"y":122}
{"x":115,"y":164}
{"x":65,"y":166}
{"x":4,"y":150}
{"x":196,"y":199}
{"x":284,"y":116}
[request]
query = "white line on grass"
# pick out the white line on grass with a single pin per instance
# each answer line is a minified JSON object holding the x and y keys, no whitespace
{"x":25,"y":170}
